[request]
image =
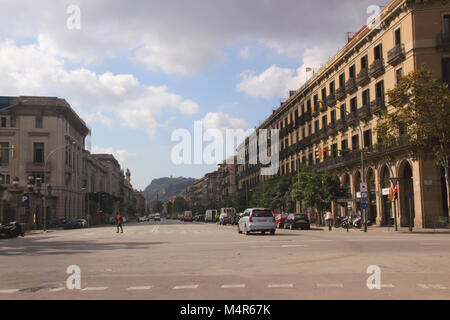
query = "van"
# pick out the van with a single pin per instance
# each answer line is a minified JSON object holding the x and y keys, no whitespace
{"x":210,"y":215}
{"x":227,"y":215}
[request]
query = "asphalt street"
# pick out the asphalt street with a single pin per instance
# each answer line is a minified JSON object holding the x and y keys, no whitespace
{"x":175,"y":260}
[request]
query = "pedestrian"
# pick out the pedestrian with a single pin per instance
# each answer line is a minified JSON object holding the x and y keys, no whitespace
{"x":119,"y":221}
{"x":329,"y":220}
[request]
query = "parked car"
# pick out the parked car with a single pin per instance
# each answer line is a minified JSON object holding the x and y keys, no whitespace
{"x":83,"y":223}
{"x":297,"y":221}
{"x":151,"y":216}
{"x":72,"y":224}
{"x":157,"y":217}
{"x":143,"y":219}
{"x":210,"y":215}
{"x":280,"y":220}
{"x":187,"y":216}
{"x":257,"y":220}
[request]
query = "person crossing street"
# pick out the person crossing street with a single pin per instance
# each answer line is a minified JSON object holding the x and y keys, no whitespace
{"x":329,"y":220}
{"x":119,"y":221}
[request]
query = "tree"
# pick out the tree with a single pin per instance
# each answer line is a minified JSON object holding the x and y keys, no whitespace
{"x":169,"y":208}
{"x":157,"y":206}
{"x":179,"y":205}
{"x":421,"y":117}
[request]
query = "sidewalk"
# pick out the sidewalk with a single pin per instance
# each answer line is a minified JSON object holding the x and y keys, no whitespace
{"x":390,"y":229}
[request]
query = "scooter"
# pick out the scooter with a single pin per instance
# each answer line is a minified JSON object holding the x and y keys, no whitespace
{"x":357,"y":223}
{"x":12,"y":230}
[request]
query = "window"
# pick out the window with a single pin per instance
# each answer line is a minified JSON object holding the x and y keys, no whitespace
{"x":316,"y":126}
{"x":332,"y":88}
{"x":310,"y":159}
{"x":355,"y":142}
{"x":365,"y":97}
{"x":38,"y":122}
{"x":3,"y":122}
{"x":447,"y":24}
{"x":309,"y":129}
{"x":343,"y":111}
{"x":5,"y":179}
{"x":324,"y":94}
{"x":364,"y":62}
{"x":351,"y":72}
{"x":333,"y":116}
{"x":334,"y":150}
{"x":12,"y":121}
{"x":344,"y":145}
{"x":353,"y":104}
{"x":303,"y":133}
{"x":342,"y":81}
{"x":38,"y":152}
{"x":379,"y":89}
{"x":368,"y":138}
{"x":446,"y":69}
{"x":377,"y":52}
{"x":398,"y":37}
{"x":316,"y":102}
{"x":308,"y":104}
{"x":398,"y":74}
{"x":4,"y":159}
{"x":324,"y":121}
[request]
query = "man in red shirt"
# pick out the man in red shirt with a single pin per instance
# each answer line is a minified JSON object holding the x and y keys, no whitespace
{"x":119,"y":220}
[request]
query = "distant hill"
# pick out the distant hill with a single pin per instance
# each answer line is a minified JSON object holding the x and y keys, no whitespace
{"x":166,"y":188}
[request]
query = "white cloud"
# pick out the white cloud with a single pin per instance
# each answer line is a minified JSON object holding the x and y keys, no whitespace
{"x":222,"y":121}
{"x":276,"y":81}
{"x":244,"y":52}
{"x":122,"y":155}
{"x":31,"y":70}
{"x":179,"y":36}
{"x":98,"y":117}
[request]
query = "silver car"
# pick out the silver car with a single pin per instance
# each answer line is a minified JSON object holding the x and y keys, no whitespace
{"x":257,"y":220}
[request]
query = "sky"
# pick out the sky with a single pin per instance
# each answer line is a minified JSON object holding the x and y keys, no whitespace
{"x":136,"y":71}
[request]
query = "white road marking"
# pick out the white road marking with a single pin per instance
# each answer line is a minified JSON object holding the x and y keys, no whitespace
{"x":9,"y":290}
{"x":330,"y":285}
{"x":94,"y":289}
{"x":390,"y":285}
{"x":293,"y":245}
{"x":233,"y":286}
{"x":438,"y":286}
{"x":140,"y":288}
{"x":281,"y":285}
{"x":194,"y":286}
{"x":56,"y":289}
{"x":430,"y":244}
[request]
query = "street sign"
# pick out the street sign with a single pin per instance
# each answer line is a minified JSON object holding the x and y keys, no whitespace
{"x":410,"y":194}
{"x":364,"y":194}
{"x":25,"y":200}
{"x":385,"y":191}
{"x":364,"y":205}
{"x":358,"y":195}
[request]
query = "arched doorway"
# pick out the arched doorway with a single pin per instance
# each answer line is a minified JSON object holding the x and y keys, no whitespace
{"x":386,"y":205}
{"x":406,"y":186}
{"x":372,"y":214}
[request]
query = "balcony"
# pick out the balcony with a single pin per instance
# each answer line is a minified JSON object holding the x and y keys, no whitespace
{"x":301,"y":120}
{"x":331,"y":129}
{"x":352,"y":119}
{"x":307,"y":116}
{"x":364,"y":112}
{"x":316,"y":110}
{"x":443,"y":41}
{"x":363,"y":78}
{"x":341,"y":125}
{"x":340,"y":94}
{"x":331,"y":100}
{"x":350,"y":86}
{"x":323,"y":106}
{"x":307,"y":141}
{"x":378,"y":105}
{"x":290,"y":127}
{"x":376,"y":68}
{"x":38,"y":167}
{"x":314,"y":137}
{"x":396,"y":54}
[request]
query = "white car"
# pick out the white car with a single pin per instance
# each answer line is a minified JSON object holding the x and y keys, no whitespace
{"x":143,"y":219}
{"x":257,"y":220}
{"x":83,"y":223}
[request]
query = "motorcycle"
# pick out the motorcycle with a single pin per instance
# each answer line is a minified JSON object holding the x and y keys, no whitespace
{"x":347,"y":222}
{"x":11,"y":230}
{"x":357,"y":223}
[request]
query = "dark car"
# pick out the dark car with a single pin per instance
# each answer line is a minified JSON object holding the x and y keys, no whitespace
{"x":297,"y":221}
{"x":72,"y":225}
{"x":280,"y":220}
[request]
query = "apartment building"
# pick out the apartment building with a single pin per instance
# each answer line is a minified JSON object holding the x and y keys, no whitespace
{"x":50,"y":158}
{"x":326,"y":122}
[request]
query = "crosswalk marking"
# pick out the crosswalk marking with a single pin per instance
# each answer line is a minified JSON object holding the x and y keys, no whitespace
{"x":194,"y":286}
{"x":9,"y":290}
{"x":330,"y":285}
{"x":280,"y":285}
{"x":233,"y":286}
{"x":56,"y":289}
{"x":140,"y":288}
{"x":94,"y":289}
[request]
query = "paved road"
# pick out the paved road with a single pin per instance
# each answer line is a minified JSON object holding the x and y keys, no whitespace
{"x":174,"y":260}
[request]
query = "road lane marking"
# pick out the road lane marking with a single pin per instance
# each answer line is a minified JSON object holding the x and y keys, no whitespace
{"x":280,"y":285}
{"x":430,"y":244}
{"x":438,"y":286}
{"x":140,"y":288}
{"x":94,"y":289}
{"x":9,"y":290}
{"x":293,"y":245}
{"x":330,"y":285}
{"x":194,"y":286}
{"x":56,"y":289}
{"x":390,"y":285}
{"x":233,"y":286}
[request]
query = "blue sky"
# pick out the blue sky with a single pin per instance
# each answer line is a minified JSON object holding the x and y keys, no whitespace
{"x":137,"y":72}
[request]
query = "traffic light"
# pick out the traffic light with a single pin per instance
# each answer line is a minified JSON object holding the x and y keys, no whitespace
{"x":324,"y":153}
{"x":317,"y":154}
{"x":395,"y":194}
{"x":14,"y":151}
